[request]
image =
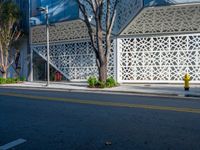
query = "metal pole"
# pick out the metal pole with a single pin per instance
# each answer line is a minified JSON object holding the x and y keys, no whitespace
{"x":30,"y":76}
{"x":47,"y":30}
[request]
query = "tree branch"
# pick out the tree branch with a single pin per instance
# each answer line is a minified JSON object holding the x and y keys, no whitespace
{"x":87,"y":22}
{"x":109,"y":24}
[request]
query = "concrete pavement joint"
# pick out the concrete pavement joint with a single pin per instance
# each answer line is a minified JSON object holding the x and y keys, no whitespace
{"x":107,"y":103}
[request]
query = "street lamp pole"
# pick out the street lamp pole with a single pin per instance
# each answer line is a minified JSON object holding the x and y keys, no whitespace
{"x":46,"y":12}
{"x":47,"y":30}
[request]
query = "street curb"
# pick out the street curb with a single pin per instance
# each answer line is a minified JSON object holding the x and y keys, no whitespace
{"x":101,"y":91}
{"x":192,"y":95}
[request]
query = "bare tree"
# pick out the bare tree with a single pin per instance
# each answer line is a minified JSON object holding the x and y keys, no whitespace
{"x":9,"y":34}
{"x":100,"y":34}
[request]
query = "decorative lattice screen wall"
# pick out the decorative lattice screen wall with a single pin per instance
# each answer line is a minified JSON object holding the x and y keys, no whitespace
{"x":166,"y":19}
{"x":159,"y":58}
{"x":76,"y":60}
{"x":70,"y":51}
{"x":61,"y":32}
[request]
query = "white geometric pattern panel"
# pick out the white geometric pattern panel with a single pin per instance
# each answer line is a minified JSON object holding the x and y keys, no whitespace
{"x":166,"y":19}
{"x":159,"y":58}
{"x":65,"y":31}
{"x":75,"y":60}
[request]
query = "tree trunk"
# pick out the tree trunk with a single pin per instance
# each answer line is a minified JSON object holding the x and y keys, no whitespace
{"x":4,"y":75}
{"x":103,"y":72}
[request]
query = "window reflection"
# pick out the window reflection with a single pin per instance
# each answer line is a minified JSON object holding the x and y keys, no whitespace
{"x":59,"y":10}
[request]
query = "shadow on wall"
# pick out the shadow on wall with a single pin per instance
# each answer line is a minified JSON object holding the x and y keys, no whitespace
{"x":167,"y":2}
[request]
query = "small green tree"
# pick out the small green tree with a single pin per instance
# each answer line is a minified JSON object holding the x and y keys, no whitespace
{"x":9,"y":34}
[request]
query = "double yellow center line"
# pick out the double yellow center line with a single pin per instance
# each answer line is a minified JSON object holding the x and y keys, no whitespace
{"x":106,"y":103}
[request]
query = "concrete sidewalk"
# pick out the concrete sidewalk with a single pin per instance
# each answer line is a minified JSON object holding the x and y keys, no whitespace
{"x":142,"y":89}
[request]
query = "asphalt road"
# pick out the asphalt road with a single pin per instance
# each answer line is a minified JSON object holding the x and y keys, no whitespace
{"x":50,"y":120}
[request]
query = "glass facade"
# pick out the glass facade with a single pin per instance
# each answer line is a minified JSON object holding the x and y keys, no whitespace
{"x":59,"y":10}
{"x":24,"y":8}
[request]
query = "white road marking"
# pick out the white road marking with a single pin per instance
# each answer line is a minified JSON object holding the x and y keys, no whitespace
{"x":12,"y":144}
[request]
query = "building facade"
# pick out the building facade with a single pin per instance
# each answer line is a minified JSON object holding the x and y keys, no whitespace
{"x":153,"y":41}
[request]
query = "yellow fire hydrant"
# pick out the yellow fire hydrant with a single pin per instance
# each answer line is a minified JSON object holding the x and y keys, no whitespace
{"x":187,"y":82}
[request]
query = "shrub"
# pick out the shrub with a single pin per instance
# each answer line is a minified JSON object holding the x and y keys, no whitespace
{"x":101,"y":84}
{"x":9,"y":80}
{"x":2,"y":81}
{"x":17,"y":79}
{"x":92,"y":81}
{"x":110,"y":82}
{"x":22,"y":79}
